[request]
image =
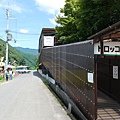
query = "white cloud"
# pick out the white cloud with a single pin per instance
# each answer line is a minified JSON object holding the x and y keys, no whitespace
{"x":23,"y":31}
{"x":52,"y":20}
{"x":50,"y":6}
{"x":15,"y":8}
{"x":12,"y":5}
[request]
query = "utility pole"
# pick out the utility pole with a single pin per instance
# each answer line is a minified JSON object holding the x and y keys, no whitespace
{"x":7,"y":31}
{"x":8,"y":36}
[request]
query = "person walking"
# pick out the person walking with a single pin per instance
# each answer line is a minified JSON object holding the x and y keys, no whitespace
{"x":10,"y":73}
{"x":6,"y":74}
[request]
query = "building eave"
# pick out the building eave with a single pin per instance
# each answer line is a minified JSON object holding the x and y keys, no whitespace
{"x":106,"y":30}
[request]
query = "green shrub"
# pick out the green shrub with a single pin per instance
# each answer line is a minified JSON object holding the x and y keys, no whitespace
{"x":1,"y":78}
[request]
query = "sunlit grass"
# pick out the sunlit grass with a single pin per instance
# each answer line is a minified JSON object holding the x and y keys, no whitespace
{"x":1,"y":79}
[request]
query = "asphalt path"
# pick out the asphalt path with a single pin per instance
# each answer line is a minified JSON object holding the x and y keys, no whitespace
{"x":27,"y":98}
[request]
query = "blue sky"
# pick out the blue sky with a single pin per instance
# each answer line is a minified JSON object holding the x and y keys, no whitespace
{"x":29,"y":19}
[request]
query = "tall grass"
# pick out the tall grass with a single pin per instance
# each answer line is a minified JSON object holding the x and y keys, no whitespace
{"x":1,"y":79}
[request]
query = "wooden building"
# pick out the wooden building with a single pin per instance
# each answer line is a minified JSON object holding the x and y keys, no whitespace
{"x":47,"y":38}
{"x":107,"y":60}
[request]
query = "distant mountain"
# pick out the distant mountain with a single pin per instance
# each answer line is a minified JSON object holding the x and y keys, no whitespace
{"x":27,"y":50}
{"x":20,"y":57}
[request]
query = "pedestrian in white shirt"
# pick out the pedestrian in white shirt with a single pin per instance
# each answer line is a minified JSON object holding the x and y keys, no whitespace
{"x":10,"y":73}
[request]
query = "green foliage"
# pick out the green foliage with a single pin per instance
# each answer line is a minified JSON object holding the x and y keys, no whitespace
{"x":21,"y":58}
{"x":1,"y":78}
{"x":96,"y":15}
{"x":82,"y":18}
{"x":67,"y":31}
{"x":28,"y":59}
{"x":2,"y":48}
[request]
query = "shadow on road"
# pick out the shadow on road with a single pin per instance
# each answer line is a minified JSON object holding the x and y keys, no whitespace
{"x":36,"y":73}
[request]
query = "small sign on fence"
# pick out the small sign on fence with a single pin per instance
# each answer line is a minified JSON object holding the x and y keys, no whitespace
{"x":115,"y":72}
{"x":90,"y":78}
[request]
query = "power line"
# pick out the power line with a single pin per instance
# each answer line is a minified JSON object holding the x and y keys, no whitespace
{"x":24,"y":33}
{"x":2,"y":38}
{"x":24,"y":40}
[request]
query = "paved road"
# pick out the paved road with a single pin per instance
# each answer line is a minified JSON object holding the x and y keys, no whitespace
{"x":27,"y":98}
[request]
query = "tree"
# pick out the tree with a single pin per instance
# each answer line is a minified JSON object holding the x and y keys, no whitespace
{"x":82,"y":18}
{"x":22,"y":62}
{"x":96,"y":15}
{"x":67,"y":29}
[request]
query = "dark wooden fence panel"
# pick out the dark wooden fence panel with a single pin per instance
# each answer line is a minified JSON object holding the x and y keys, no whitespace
{"x":105,"y":79}
{"x":70,"y":66}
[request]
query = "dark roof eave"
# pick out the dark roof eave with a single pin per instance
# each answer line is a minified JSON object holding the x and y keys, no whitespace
{"x":106,"y":30}
{"x":46,"y":30}
{"x":53,"y":33}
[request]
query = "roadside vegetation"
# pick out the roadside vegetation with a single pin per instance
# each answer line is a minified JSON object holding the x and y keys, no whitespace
{"x":1,"y":79}
{"x":79,"y":19}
